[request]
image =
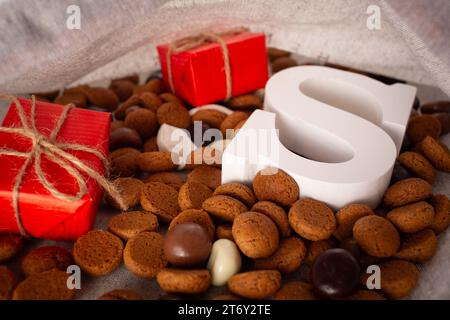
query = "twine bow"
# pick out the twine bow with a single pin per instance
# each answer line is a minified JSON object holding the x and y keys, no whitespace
{"x":54,"y":150}
{"x":191,"y":42}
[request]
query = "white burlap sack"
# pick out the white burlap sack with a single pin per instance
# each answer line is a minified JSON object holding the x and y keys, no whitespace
{"x":38,"y":52}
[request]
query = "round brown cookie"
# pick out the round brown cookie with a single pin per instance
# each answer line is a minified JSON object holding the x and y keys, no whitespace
{"x":150,"y":101}
{"x":46,"y":258}
{"x":143,"y":121}
{"x":204,"y":156}
{"x":288,"y":257}
{"x":232,"y":120}
{"x":48,"y":95}
{"x":198,"y":216}
{"x":295,"y":290}
{"x":184,"y":281}
{"x":398,"y":278}
{"x":77,"y":98}
{"x":245,"y":102}
{"x":150,"y":145}
{"x":116,"y":124}
{"x":438,"y":154}
{"x":224,"y":207}
{"x":212,"y":117}
{"x":275,"y":185}
{"x":47,"y":285}
{"x":7,"y":283}
{"x":134,"y":78}
{"x":170,"y":97}
{"x":144,"y":254}
{"x":121,"y":294}
{"x":377,"y":236}
{"x":226,"y":297}
{"x":10,"y":246}
{"x":207,"y":175}
{"x":170,"y":178}
{"x":276,"y":213}
{"x":312,"y":219}
{"x":255,"y":284}
{"x":173,"y":114}
{"x":120,"y":112}
{"x":255,"y":234}
{"x":160,"y":199}
{"x":192,"y":194}
{"x":412,"y":217}
{"x":128,"y":224}
{"x":123,"y":163}
{"x":421,"y":126}
{"x":366,"y":295}
{"x":102,"y":98}
{"x":283,"y":63}
{"x":316,"y":248}
{"x":155,"y":85}
{"x":441,"y":219}
{"x":407,"y":191}
{"x":418,"y":247}
{"x":122,"y":88}
{"x":419,"y":165}
{"x":130,"y":191}
{"x":121,"y":151}
{"x":224,"y":231}
{"x":274,"y":53}
{"x":155,"y":161}
{"x":98,"y":252}
{"x":238,"y":191}
{"x":346,"y":218}
{"x":239,"y":125}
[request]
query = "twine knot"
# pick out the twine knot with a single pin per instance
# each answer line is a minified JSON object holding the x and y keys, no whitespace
{"x":54,"y":152}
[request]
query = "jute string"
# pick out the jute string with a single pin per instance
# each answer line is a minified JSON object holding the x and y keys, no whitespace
{"x":191,"y":42}
{"x":54,"y":151}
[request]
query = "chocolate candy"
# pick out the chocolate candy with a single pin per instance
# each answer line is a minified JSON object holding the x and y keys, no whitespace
{"x":335,"y":274}
{"x":444,"y":119}
{"x":124,"y":137}
{"x":436,"y":106}
{"x":187,"y":244}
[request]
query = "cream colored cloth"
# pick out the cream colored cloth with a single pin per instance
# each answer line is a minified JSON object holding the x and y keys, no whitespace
{"x":39,"y":53}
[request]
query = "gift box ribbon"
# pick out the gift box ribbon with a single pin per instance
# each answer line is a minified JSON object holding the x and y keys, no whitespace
{"x":54,"y":150}
{"x":191,"y":42}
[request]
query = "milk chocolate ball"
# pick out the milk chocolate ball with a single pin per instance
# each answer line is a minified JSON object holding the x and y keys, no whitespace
{"x":187,"y":244}
{"x":335,"y":274}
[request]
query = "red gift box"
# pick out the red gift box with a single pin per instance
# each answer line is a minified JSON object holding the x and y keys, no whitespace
{"x":199,"y":76}
{"x":42,"y":214}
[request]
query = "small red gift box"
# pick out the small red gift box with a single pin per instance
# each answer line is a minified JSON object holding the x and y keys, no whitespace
{"x":199,"y":76}
{"x":42,"y":214}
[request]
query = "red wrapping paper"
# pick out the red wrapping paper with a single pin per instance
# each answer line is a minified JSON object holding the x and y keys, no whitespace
{"x":199,"y":74}
{"x":43,"y":215}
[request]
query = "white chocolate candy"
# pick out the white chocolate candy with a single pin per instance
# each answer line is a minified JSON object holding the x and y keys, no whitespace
{"x":216,"y":107}
{"x":224,"y":261}
{"x":339,"y":134}
{"x":176,"y":141}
